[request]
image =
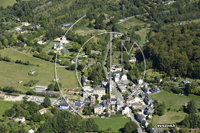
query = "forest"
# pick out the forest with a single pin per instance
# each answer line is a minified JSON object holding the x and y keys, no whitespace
{"x":175,"y":50}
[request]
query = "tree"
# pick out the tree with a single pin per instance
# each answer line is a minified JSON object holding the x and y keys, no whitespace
{"x":56,"y":86}
{"x":86,"y":72}
{"x":5,"y":43}
{"x":130,"y":127}
{"x":191,"y":107}
{"x":76,"y":46}
{"x":47,"y":101}
{"x":51,"y":87}
{"x":91,"y":126}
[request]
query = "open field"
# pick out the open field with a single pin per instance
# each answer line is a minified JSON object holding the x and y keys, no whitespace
{"x":132,"y":22}
{"x":6,"y":3}
{"x":115,"y":123}
{"x":11,"y":73}
{"x":168,"y":118}
{"x":4,"y":105}
{"x":143,"y":34}
{"x":174,"y":100}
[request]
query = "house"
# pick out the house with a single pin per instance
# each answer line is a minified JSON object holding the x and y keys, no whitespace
{"x":144,"y":89}
{"x":3,"y":96}
{"x":130,"y":83}
{"x":35,"y":26}
{"x":137,"y":105}
{"x":25,"y":24}
{"x":194,"y":130}
{"x":32,"y":71}
{"x":93,"y":63}
{"x":118,"y":68}
{"x":74,"y":90}
{"x":95,"y":52}
{"x":87,"y":100}
{"x":122,"y":88}
{"x":173,"y":78}
{"x":123,"y":77}
{"x":145,"y":123}
{"x":58,"y":46}
{"x":22,"y":44}
{"x":119,"y":34}
{"x":64,"y":105}
{"x":78,"y":104}
{"x":17,"y":19}
{"x":154,"y":90}
{"x":139,"y":81}
{"x":83,"y":80}
{"x":113,"y":101}
{"x":98,"y":109}
{"x":116,"y":78}
{"x":158,"y":79}
{"x":119,"y":107}
{"x":18,"y":29}
{"x":31,"y":131}
{"x":130,"y":100}
{"x":140,"y":117}
{"x":100,"y":91}
{"x":63,"y":39}
{"x":179,"y":23}
{"x":24,"y":30}
{"x":42,"y":111}
{"x":133,"y":59}
{"x":126,"y":110}
{"x":128,"y":41}
{"x":51,"y":93}
{"x":20,"y":118}
{"x":66,"y":25}
{"x":148,"y":100}
{"x":40,"y":42}
{"x":184,"y":82}
{"x":87,"y":88}
{"x":74,"y":61}
{"x":105,"y":106}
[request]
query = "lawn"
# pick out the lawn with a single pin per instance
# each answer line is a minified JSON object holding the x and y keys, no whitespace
{"x":4,"y":105}
{"x":115,"y":123}
{"x":132,"y":22}
{"x":174,"y":100}
{"x":168,"y":118}
{"x":13,"y":73}
{"x":143,"y":34}
{"x":6,"y":3}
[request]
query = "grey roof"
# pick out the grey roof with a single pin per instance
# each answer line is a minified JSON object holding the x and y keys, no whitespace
{"x":21,"y":43}
{"x":99,"y":88}
{"x":23,"y":30}
{"x":64,"y":104}
{"x":118,"y":66}
{"x":50,"y":92}
{"x":98,"y":106}
{"x":113,"y":99}
{"x":105,"y":105}
{"x":32,"y":70}
{"x":77,"y":103}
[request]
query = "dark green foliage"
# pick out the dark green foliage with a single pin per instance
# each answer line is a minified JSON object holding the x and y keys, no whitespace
{"x":173,"y":52}
{"x":47,"y":102}
{"x":130,"y":127}
{"x":51,"y":87}
{"x":91,"y":126}
{"x":31,"y":83}
{"x":159,"y":108}
{"x":191,"y":121}
{"x":88,"y":110}
{"x":104,"y":97}
{"x":191,"y":107}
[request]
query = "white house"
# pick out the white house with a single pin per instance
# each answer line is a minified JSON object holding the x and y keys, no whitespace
{"x":133,"y":59}
{"x":139,"y":81}
{"x":126,"y":111}
{"x":123,"y":77}
{"x":20,"y":118}
{"x":31,"y":131}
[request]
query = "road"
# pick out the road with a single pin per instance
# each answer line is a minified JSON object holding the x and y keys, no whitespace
{"x":130,"y":18}
{"x":133,"y":119}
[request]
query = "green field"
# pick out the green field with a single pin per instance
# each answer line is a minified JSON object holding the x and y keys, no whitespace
{"x":143,"y":34}
{"x":168,"y":118}
{"x":11,"y":73}
{"x":115,"y":123}
{"x":174,"y":100}
{"x":4,"y":105}
{"x":6,"y":3}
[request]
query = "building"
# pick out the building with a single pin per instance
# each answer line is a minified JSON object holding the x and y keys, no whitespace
{"x":133,"y":59}
{"x":84,"y":80}
{"x":144,"y":89}
{"x":64,"y":105}
{"x":25,"y":24}
{"x":87,"y":88}
{"x":32,"y":71}
{"x":98,"y":109}
{"x":116,"y":78}
{"x":22,"y":44}
{"x":122,"y":88}
{"x":58,"y":46}
{"x":114,"y":101}
{"x":40,"y":42}
{"x":74,"y":61}
{"x":124,"y":77}
{"x":119,"y":34}
{"x":154,"y":90}
{"x":95,"y":52}
{"x":63,"y":39}
{"x":145,"y":123}
{"x":158,"y":79}
{"x":35,"y":26}
{"x":24,"y":31}
{"x":118,"y":68}
{"x":148,"y":100}
{"x":18,"y":29}
{"x":184,"y":82}
{"x":66,"y":25}
{"x":31,"y":131}
{"x":74,"y":90}
{"x":126,"y":111}
{"x":140,"y":117}
{"x":42,"y":111}
{"x":139,"y":81}
{"x":20,"y":118}
{"x":100,"y":91}
{"x":51,"y":93}
{"x":93,"y":63}
{"x":173,"y":78}
{"x":17,"y":19}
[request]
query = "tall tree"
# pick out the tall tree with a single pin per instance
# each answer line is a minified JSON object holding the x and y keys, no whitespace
{"x":191,"y":107}
{"x":47,"y":102}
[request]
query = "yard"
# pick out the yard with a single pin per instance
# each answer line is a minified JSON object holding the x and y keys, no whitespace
{"x":116,"y":123}
{"x":13,"y":73}
{"x":6,"y":3}
{"x":168,"y":118}
{"x":174,"y":100}
{"x":4,"y":105}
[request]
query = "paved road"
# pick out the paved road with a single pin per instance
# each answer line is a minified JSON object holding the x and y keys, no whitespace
{"x":65,"y":51}
{"x":133,"y":119}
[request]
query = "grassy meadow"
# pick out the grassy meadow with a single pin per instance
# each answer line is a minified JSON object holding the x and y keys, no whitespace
{"x":11,"y":73}
{"x":6,"y":3}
